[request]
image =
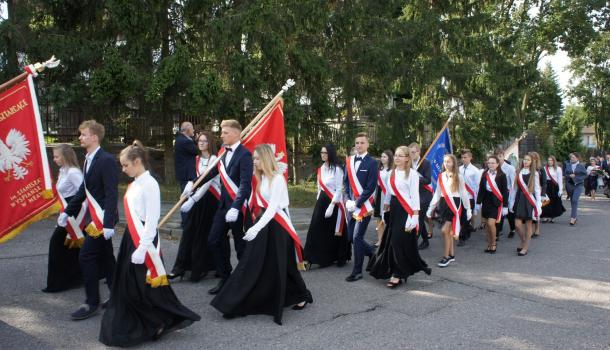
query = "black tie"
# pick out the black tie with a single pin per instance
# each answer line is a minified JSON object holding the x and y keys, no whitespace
{"x":357,"y":159}
{"x":228,"y":149}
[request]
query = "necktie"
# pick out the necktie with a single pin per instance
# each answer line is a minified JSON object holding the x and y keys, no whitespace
{"x":228,"y":149}
{"x":357,"y":159}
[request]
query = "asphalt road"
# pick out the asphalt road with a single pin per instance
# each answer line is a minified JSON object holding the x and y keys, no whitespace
{"x":557,"y":297}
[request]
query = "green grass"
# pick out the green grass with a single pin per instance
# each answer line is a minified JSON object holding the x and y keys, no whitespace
{"x":301,"y":196}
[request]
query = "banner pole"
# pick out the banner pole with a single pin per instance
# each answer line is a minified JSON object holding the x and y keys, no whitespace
{"x":437,"y":137}
{"x":13,"y":81}
{"x":244,"y":134}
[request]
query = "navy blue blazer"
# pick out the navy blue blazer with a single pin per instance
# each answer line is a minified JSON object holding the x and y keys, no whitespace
{"x":185,"y":152}
{"x":580,"y":172}
{"x":367,"y":176}
{"x":240,"y":171}
{"x":425,"y":170}
{"x":102,"y":181}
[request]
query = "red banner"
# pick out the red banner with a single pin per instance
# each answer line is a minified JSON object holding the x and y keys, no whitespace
{"x":25,"y":178}
{"x":270,"y":130}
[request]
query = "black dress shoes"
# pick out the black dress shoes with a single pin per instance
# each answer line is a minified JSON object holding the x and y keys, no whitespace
{"x":218,"y":287}
{"x":423,"y":245}
{"x":84,"y":311}
{"x":105,"y":304}
{"x":353,"y":278}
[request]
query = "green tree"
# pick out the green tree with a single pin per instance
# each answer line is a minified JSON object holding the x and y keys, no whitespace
{"x":568,"y":133}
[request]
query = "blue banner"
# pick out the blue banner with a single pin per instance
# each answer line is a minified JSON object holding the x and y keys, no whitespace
{"x":438,"y":149}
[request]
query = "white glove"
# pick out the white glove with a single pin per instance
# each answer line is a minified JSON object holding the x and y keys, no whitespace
{"x":232,"y":215}
{"x":62,"y":220}
{"x":187,"y":189}
{"x":350,"y":206}
{"x":188,"y":205}
{"x":545,"y":198}
{"x":411,"y":222}
{"x":504,"y":211}
{"x":429,"y":213}
{"x":329,"y":211}
{"x":139,"y":254}
{"x":108,"y":233}
{"x":251,"y":233}
{"x":477,"y":209}
{"x":559,"y":193}
{"x":468,"y":214}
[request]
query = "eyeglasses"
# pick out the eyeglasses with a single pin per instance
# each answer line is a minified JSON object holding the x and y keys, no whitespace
{"x":400,"y":156}
{"x":322,"y":152}
{"x":203,"y":141}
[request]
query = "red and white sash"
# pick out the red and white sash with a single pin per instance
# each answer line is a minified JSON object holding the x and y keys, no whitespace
{"x":468,"y":189}
{"x":367,"y":206}
{"x":549,"y":176}
{"x":340,"y":222}
{"x":156,"y":275}
{"x":96,"y":226}
{"x":456,"y":224}
{"x":214,"y":188}
{"x":230,"y":186}
{"x":381,"y":184}
{"x":529,"y":196}
{"x":402,"y":198}
{"x":75,"y":237}
{"x":496,"y":192}
{"x":282,"y":218}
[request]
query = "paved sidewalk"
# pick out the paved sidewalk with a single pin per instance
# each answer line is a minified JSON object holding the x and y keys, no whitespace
{"x":557,"y":297}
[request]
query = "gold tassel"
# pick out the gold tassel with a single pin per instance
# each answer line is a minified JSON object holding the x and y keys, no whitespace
{"x":301,"y":266}
{"x":74,"y":244}
{"x":92,"y":231}
{"x":47,"y":194}
{"x":157,"y":281}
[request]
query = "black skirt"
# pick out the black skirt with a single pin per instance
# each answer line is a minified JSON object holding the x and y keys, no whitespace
{"x":137,"y":312}
{"x":555,"y":207}
{"x":64,"y":269}
{"x":522,"y":208}
{"x":266,"y":278}
{"x":193,"y":253}
{"x":322,"y":246}
{"x":397,"y":255}
{"x":445,"y":213}
{"x":377,"y":205}
{"x":489,"y":205}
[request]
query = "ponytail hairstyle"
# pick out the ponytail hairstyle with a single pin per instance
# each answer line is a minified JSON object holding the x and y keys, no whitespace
{"x":68,"y":155}
{"x":136,"y":151}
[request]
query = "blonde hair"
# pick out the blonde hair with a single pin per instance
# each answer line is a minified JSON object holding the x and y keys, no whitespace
{"x":94,"y":127}
{"x":405,"y":150}
{"x":67,"y":153}
{"x":536,"y":159}
{"x":267,"y":162}
{"x":533,"y":173}
{"x":231,"y":123}
{"x":415,"y":145}
{"x":135,"y":151}
{"x":455,"y":174}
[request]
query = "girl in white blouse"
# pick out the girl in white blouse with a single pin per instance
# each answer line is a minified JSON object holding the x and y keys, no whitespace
{"x":64,"y":269}
{"x":454,"y":208}
{"x":327,"y":241}
{"x":398,"y":256}
{"x":142,"y":304}
{"x":200,"y":208}
{"x":266,"y":278}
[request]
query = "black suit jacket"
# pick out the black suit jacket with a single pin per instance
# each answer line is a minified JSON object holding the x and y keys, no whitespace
{"x":501,"y":181}
{"x":367,"y":176}
{"x":240,"y":171}
{"x":185,"y":152}
{"x":425,"y":171}
{"x":102,"y":181}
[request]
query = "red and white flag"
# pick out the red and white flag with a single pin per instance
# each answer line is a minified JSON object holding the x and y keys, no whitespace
{"x":25,"y":177}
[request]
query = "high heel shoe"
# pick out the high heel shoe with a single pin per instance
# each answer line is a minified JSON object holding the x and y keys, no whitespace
{"x":493,"y":248}
{"x":521,"y":253}
{"x":300,"y":307}
{"x":173,"y":275}
{"x":393,"y":285}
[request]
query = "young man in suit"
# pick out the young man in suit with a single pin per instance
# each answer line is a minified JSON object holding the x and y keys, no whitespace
{"x":235,"y":171}
{"x":360,"y":182}
{"x":100,"y":190}
{"x":185,"y":152}
{"x":422,"y":166}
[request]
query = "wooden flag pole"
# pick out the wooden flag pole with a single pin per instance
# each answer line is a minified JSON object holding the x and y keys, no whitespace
{"x":244,"y":134}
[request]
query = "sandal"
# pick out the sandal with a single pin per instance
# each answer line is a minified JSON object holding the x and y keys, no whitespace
{"x":493,"y":249}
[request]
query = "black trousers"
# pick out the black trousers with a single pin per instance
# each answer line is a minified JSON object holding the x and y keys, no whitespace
{"x":183,"y":215}
{"x":96,"y":259}
{"x":511,"y":222}
{"x":423,"y":208}
{"x":217,"y":240}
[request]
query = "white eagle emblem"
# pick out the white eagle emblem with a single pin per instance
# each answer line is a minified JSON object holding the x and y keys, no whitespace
{"x":13,"y":154}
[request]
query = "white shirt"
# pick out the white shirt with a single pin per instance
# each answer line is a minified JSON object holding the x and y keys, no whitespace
{"x":203,"y":166}
{"x":492,"y":176}
{"x":89,"y":158}
{"x":462,"y":193}
{"x":144,"y":195}
{"x":384,"y":174}
{"x":408,"y":187}
{"x":557,"y":174}
{"x":69,"y":181}
{"x":510,"y":173}
{"x":357,"y":164}
{"x":276,"y":195}
{"x":333,"y":180}
{"x":229,"y":155}
{"x":472,"y":177}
